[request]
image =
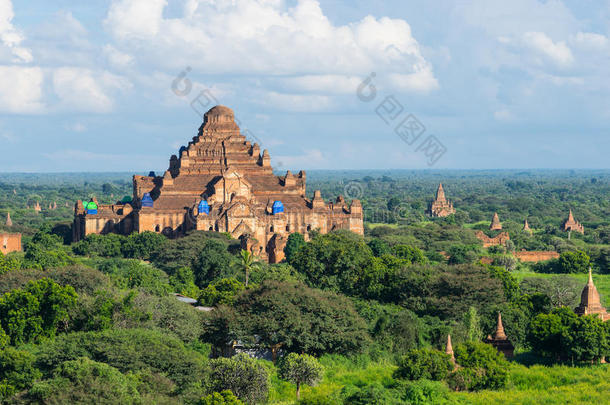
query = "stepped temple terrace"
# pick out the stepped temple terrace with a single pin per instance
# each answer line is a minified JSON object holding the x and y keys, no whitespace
{"x":221,"y":182}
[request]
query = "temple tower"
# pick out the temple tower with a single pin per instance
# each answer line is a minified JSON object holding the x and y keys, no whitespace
{"x":500,"y":341}
{"x":526,"y":226}
{"x":590,"y":301}
{"x":496,"y":225}
{"x":441,"y":207}
{"x":572,"y":224}
{"x":9,"y":222}
{"x":449,"y":349}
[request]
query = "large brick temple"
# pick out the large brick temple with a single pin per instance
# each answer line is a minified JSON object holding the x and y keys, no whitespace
{"x":221,"y":182}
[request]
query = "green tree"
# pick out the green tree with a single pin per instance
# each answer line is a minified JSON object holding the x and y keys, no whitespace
{"x":574,"y":262}
{"x":17,"y":371}
{"x":472,"y":321}
{"x":243,"y":376}
{"x":481,"y":367}
{"x":7,"y":264}
{"x":85,"y":381}
{"x":410,"y":253}
{"x":36,"y":311}
{"x":293,"y":244}
{"x":300,"y":369}
{"x":225,"y":397}
{"x":247,"y":262}
{"x":213,"y":262}
{"x":142,"y":245}
{"x":424,"y":363}
{"x":223,"y":291}
{"x":183,"y":282}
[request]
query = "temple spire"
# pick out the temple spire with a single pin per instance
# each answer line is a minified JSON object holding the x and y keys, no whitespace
{"x":440,"y":193}
{"x":499,"y":334}
{"x":526,"y":226}
{"x":496,"y":225}
{"x":449,"y":348}
{"x":571,"y":216}
{"x":9,"y":222}
{"x":590,"y":282}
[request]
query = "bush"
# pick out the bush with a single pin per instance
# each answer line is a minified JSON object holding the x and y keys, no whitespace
{"x":223,"y":291}
{"x":84,"y":381}
{"x":424,"y":363}
{"x":129,"y":350}
{"x":243,"y":376}
{"x":225,"y":397}
{"x":17,"y":371}
{"x":481,"y":367}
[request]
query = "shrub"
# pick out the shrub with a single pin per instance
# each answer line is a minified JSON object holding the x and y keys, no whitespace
{"x":243,"y":376}
{"x":300,"y":369}
{"x":223,"y":291}
{"x":424,"y":363}
{"x":481,"y":367}
{"x":85,"y":381}
{"x":225,"y":397}
{"x":17,"y":371}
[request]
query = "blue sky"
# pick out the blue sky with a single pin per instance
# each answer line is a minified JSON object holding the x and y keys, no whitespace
{"x":94,"y":85}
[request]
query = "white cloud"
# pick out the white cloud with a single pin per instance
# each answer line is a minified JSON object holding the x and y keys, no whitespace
{"x":589,"y":40}
{"x":21,"y":89}
{"x":135,"y":19}
{"x":11,"y":38}
{"x":86,"y":90}
{"x":557,"y":52}
{"x":308,"y":159}
{"x":267,"y":37}
{"x":117,"y":58}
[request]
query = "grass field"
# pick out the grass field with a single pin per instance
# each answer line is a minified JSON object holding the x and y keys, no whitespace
{"x":602,"y":281}
{"x":527,"y":385}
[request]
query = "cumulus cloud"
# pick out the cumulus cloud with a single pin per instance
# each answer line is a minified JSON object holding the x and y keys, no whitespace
{"x":556,"y":52}
{"x":86,"y":90}
{"x":10,"y":37}
{"x":267,"y":37}
{"x":21,"y":89}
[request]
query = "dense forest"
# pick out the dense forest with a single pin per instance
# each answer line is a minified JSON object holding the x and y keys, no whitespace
{"x":345,"y":319}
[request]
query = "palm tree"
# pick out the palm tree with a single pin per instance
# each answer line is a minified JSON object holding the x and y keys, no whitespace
{"x":247,"y":263}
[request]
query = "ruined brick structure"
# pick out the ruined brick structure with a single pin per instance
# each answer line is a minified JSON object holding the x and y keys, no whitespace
{"x":440,"y":207}
{"x":499,"y":239}
{"x":590,"y":301}
{"x":9,"y":221}
{"x":221,"y":182}
{"x":496,"y":225}
{"x":571,"y":224}
{"x":10,"y":242}
{"x":536,"y":256}
{"x":500,"y":341}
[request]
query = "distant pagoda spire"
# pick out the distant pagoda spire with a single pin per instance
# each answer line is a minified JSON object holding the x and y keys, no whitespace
{"x":9,"y":222}
{"x":590,"y":300}
{"x":37,"y":207}
{"x":526,"y":226}
{"x":499,"y":334}
{"x":496,"y":225}
{"x":440,"y":193}
{"x":449,"y":349}
{"x":571,"y":224}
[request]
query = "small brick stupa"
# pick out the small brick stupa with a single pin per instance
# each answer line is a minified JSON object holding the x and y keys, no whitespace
{"x":500,"y":341}
{"x":9,"y":221}
{"x":449,"y":349}
{"x":590,"y":301}
{"x":526,"y":226}
{"x":571,"y":224}
{"x":496,"y":225}
{"x":441,"y":207}
{"x":37,"y":207}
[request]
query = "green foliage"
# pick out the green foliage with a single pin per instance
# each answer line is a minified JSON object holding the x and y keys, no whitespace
{"x":131,"y":273}
{"x":225,"y":397}
{"x":562,"y":335}
{"x":424,"y":363}
{"x":183,"y":282}
{"x":8,"y":264}
{"x":574,"y":262}
{"x":100,"y":245}
{"x":472,"y":321}
{"x":293,"y":244}
{"x":17,"y":371}
{"x":128,"y":350}
{"x":300,"y":369}
{"x":509,"y":282}
{"x":481,"y":367}
{"x":298,"y":318}
{"x":84,"y":381}
{"x":410,"y":253}
{"x":223,"y":291}
{"x":461,"y":254}
{"x":36,"y":311}
{"x":243,"y":376}
{"x":142,"y":245}
{"x":213,"y":262}
{"x":333,"y":261}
